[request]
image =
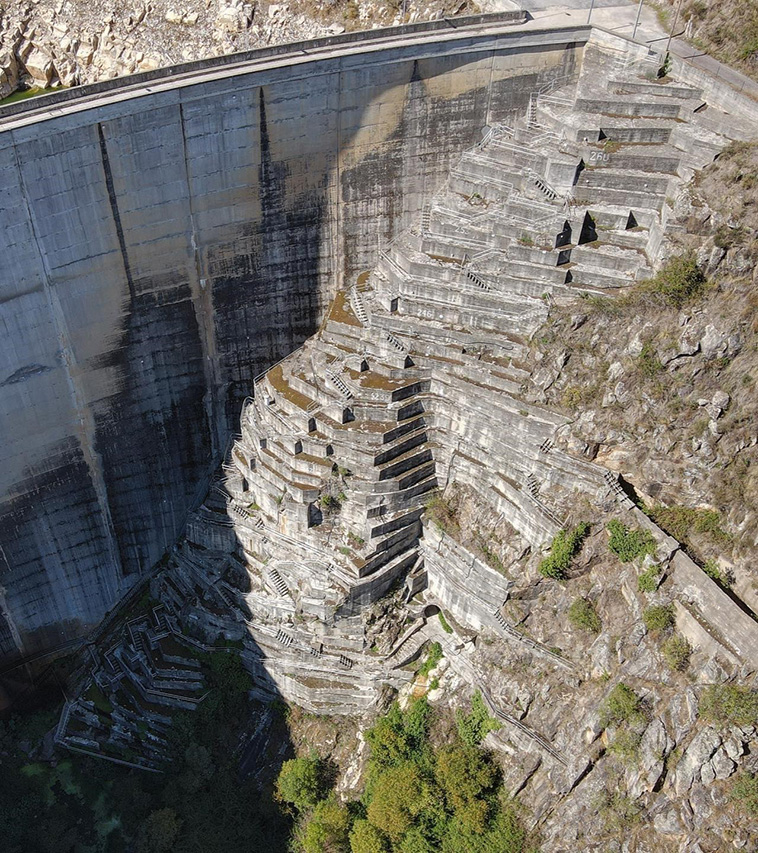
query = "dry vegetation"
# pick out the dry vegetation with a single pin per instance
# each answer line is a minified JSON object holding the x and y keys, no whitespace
{"x":727,"y":29}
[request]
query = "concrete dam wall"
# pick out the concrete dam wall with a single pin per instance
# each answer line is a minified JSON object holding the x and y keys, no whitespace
{"x":168,"y":239}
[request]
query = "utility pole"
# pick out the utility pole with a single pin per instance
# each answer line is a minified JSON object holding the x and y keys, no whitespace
{"x":673,"y":26}
{"x":637,"y":20}
{"x":592,"y":6}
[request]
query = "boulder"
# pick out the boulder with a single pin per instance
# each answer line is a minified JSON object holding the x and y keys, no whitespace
{"x":721,"y":400}
{"x":721,"y":764}
{"x":654,"y":747}
{"x":8,"y":74}
{"x":695,"y":763}
{"x":39,"y":65}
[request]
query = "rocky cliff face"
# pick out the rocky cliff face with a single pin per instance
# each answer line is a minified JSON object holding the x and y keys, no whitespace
{"x":50,"y":44}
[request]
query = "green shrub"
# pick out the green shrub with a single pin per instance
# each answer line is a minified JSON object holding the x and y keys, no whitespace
{"x":676,"y":652}
{"x":649,"y":579}
{"x":582,"y":614}
{"x":473,"y":727}
{"x":711,"y":568}
{"x":627,"y":543}
{"x":445,"y":626}
{"x":562,"y":550}
{"x":744,"y":792}
{"x":329,"y":503}
{"x":626,"y":746}
{"x":678,"y":282}
{"x":659,"y":619}
{"x":729,"y":704}
{"x":622,"y":705}
{"x":648,"y":363}
{"x":443,"y":511}
{"x":432,"y":659}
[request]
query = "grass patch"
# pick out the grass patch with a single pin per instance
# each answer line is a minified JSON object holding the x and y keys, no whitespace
{"x":729,"y":704}
{"x":626,"y":746}
{"x":649,"y":579}
{"x":25,"y":95}
{"x":682,"y":521}
{"x":648,"y":362}
{"x":443,"y":512}
{"x":617,"y":810}
{"x":744,"y":792}
{"x":445,"y":626}
{"x":562,"y":550}
{"x":723,"y":579}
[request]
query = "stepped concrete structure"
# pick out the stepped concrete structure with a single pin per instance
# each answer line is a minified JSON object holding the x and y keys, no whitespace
{"x":392,"y":217}
{"x":414,"y":382}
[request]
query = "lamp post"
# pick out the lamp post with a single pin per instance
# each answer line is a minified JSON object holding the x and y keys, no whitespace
{"x":592,"y":6}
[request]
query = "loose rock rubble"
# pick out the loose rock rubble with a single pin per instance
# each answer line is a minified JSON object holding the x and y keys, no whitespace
{"x":64,"y":43}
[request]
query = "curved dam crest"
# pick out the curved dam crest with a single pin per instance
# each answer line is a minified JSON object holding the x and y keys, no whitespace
{"x":159,"y":252}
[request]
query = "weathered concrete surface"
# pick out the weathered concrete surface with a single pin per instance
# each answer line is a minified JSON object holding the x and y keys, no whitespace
{"x":158,"y":252}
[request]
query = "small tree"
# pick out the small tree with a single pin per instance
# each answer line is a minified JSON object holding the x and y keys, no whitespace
{"x":465,"y":776}
{"x":396,"y":797}
{"x":300,"y":782}
{"x":366,"y":838}
{"x":473,"y":727}
{"x":326,"y":829}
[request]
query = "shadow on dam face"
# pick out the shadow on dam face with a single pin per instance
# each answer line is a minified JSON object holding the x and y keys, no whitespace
{"x":159,"y":252}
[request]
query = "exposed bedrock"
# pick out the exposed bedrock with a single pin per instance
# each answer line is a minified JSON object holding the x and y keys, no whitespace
{"x":158,"y":252}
